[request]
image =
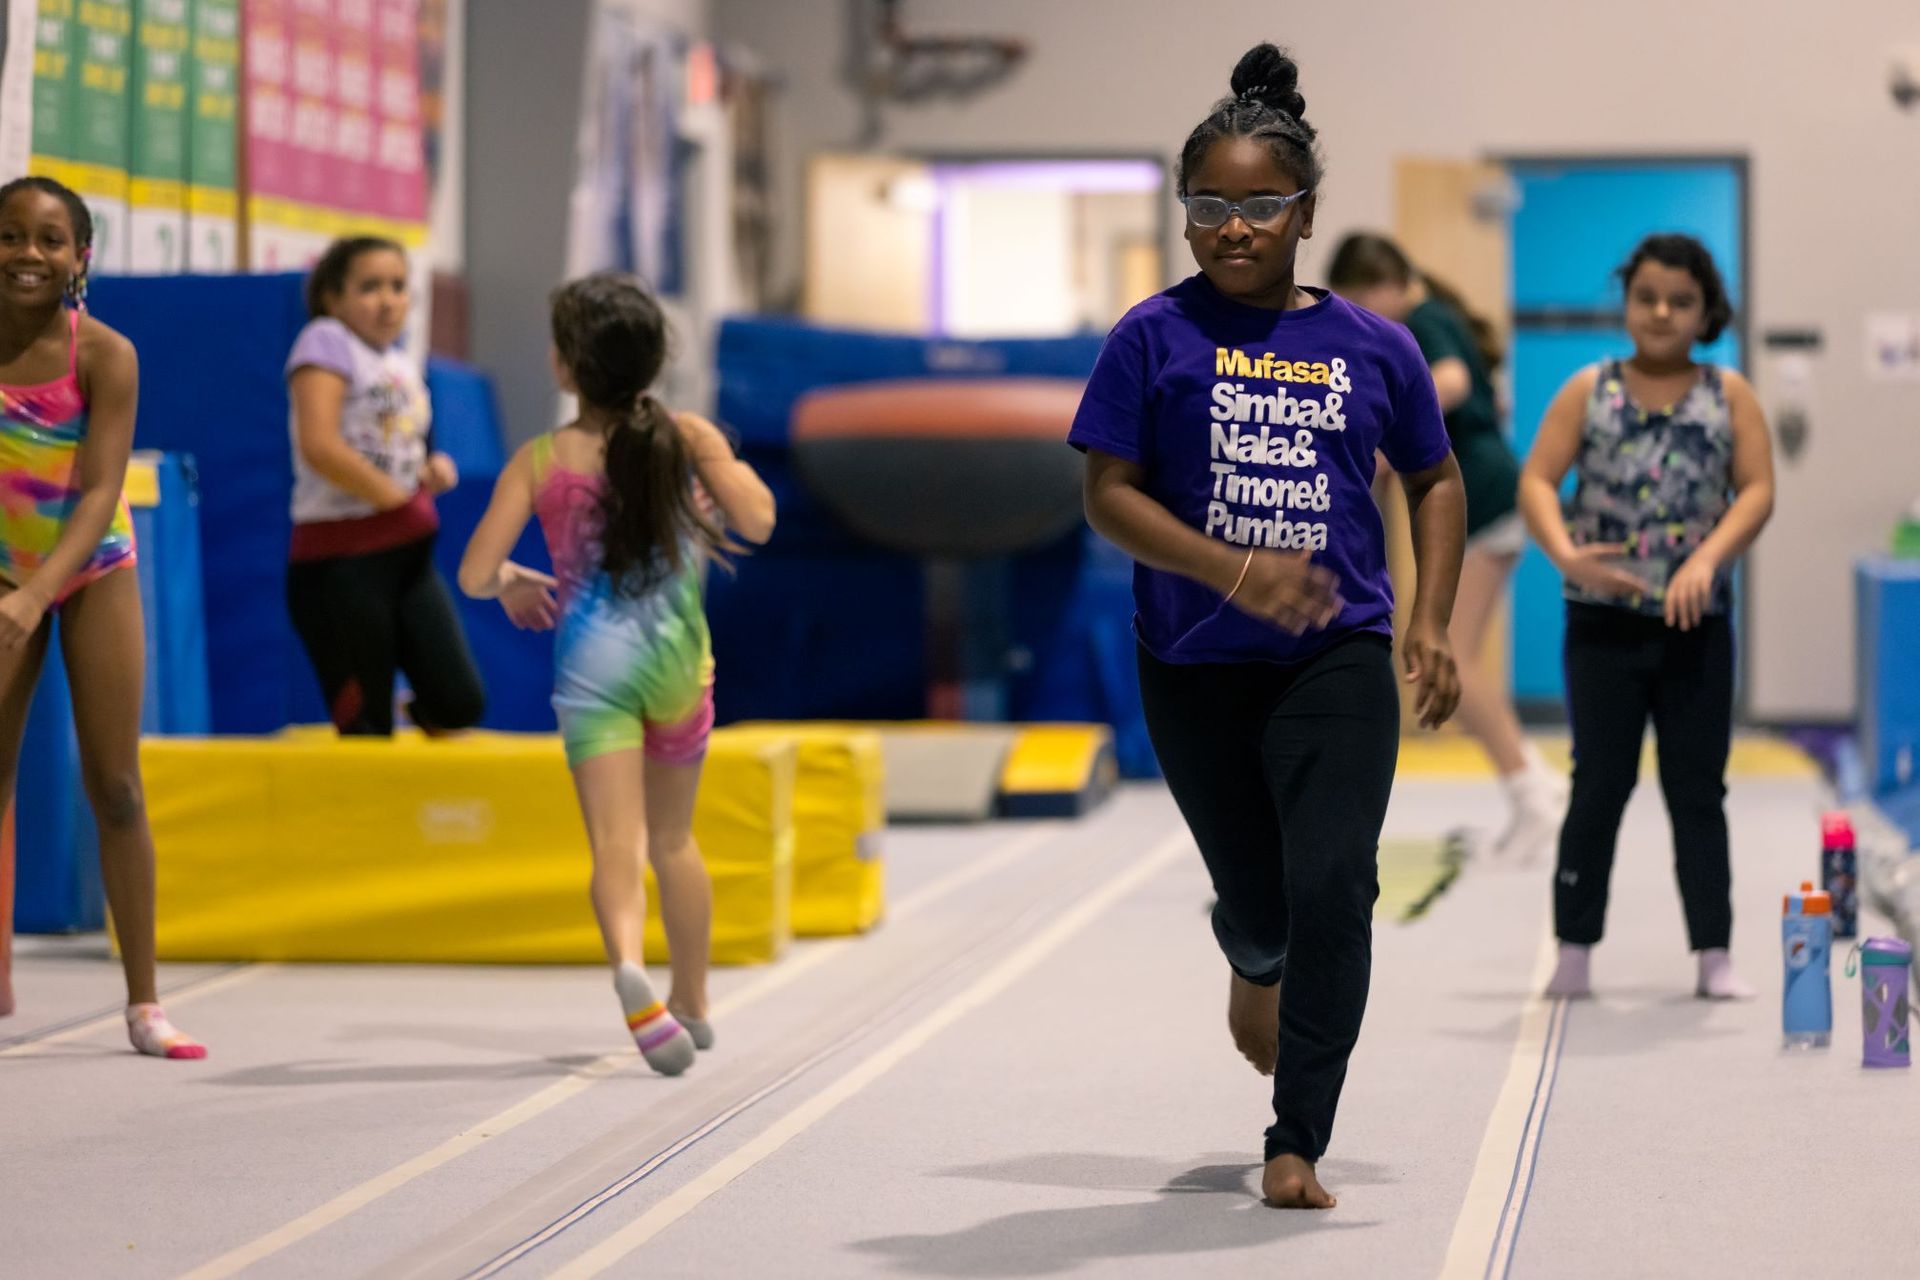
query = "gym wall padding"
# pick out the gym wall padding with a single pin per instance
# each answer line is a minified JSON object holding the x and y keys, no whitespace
{"x":56,"y":849}
{"x":308,"y":847}
{"x":212,"y":350}
{"x":787,"y":623}
{"x":1887,"y":671}
{"x":166,"y":531}
{"x":821,"y":625}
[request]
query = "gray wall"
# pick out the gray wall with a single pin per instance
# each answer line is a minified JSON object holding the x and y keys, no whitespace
{"x":524,"y":67}
{"x":522,"y":116}
{"x":1802,"y":92}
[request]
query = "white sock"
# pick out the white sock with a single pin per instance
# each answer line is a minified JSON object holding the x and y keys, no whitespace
{"x":1571,"y":979}
{"x":153,"y":1035}
{"x":1717,"y":979}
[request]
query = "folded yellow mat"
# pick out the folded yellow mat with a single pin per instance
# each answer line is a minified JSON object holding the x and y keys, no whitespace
{"x":311,"y":847}
{"x":839,"y":825}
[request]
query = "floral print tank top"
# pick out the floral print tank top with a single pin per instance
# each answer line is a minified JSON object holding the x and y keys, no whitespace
{"x":1656,"y":481}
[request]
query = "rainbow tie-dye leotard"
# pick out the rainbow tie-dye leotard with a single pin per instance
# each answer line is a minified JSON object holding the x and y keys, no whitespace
{"x":41,"y":430}
{"x":629,"y":670}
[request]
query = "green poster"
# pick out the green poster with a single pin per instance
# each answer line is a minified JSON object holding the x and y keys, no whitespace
{"x":157,"y":192}
{"x":213,"y":98}
{"x":100,"y":42}
{"x":161,"y":39}
{"x":52,"y":87}
{"x":101,"y":45}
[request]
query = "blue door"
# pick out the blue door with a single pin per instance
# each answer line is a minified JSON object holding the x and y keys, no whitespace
{"x":1576,"y":223}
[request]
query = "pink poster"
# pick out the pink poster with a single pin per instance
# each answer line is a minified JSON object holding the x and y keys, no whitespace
{"x":269,"y":98}
{"x":315,"y":168}
{"x":399,"y":157}
{"x":355,"y":98}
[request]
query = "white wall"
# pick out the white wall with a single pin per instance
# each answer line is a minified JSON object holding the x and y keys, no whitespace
{"x":1835,"y":173}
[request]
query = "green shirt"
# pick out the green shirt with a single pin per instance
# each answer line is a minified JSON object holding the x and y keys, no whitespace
{"x":1487,"y":464}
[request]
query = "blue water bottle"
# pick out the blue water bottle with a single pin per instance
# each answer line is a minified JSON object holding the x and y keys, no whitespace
{"x":1806,"y":938}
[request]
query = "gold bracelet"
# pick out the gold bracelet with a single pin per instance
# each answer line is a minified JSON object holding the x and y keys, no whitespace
{"x":1241,"y":580}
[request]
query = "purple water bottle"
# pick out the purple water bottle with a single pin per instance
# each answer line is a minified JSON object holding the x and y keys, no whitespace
{"x":1884,"y":966}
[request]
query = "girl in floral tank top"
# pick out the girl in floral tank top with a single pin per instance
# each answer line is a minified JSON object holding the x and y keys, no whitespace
{"x":1674,"y":481}
{"x":1655,"y":482}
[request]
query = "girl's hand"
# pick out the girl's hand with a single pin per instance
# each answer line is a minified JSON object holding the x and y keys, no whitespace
{"x":21,"y":613}
{"x":439,"y":475}
{"x":1588,"y":569}
{"x":1428,"y":655}
{"x":1691,"y":591}
{"x":527,"y":596}
{"x":1287,"y":589}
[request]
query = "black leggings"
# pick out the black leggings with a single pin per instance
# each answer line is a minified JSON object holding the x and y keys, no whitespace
{"x":1621,"y":669}
{"x":363,"y":617}
{"x":1283,"y":775}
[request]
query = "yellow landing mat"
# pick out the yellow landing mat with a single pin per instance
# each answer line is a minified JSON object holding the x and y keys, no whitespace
{"x":1454,"y":755}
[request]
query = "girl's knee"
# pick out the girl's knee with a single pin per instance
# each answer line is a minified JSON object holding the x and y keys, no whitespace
{"x":672,"y":847}
{"x":118,"y":799}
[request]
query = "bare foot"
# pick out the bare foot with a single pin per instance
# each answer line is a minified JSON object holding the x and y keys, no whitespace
{"x":1253,"y":1016}
{"x":1289,"y":1183}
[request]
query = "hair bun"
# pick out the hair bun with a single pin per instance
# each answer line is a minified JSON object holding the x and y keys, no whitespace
{"x":1266,"y":75}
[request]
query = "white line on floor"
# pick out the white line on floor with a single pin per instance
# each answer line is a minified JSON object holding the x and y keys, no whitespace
{"x":996,"y":980}
{"x":356,"y":1198}
{"x":1483,"y":1219}
{"x":117,"y":1018}
{"x":1508,"y":1238}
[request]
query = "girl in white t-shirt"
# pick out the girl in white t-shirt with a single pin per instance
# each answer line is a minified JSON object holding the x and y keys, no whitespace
{"x":361,"y":585}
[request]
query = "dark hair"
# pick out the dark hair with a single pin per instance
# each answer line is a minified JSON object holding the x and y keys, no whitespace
{"x":1367,"y":258}
{"x":329,"y":274}
{"x":1684,"y":253}
{"x":1266,"y":105}
{"x":77,"y":213}
{"x":612,"y":337}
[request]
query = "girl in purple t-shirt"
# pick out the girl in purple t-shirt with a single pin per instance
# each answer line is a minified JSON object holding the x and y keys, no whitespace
{"x":1230,"y":427}
{"x":361,"y":586}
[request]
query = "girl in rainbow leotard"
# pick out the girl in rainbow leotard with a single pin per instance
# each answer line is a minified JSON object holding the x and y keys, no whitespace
{"x":41,"y":429}
{"x":627,"y":496}
{"x":68,"y":389}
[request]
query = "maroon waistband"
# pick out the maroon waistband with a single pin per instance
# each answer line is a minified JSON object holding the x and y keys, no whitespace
{"x":364,"y":535}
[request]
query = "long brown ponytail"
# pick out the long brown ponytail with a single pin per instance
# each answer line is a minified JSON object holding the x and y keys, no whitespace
{"x":612,"y":336}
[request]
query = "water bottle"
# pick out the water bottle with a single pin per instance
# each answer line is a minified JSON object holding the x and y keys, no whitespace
{"x":1884,"y":966}
{"x":1840,"y":872}
{"x":1806,"y":938}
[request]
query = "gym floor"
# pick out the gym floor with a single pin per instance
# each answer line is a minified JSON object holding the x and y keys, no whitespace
{"x":1024,"y":1072}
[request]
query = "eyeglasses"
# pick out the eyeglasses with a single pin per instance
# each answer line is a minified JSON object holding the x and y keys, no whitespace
{"x":1258,"y":211}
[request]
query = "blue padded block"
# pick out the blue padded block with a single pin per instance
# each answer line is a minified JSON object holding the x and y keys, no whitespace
{"x":1887,"y":670}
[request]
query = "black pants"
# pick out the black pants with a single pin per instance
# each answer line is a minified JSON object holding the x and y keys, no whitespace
{"x":1283,"y":774}
{"x":363,"y":617}
{"x":1621,"y":669}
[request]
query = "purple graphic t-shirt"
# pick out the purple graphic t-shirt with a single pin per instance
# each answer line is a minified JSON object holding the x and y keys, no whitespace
{"x":1259,"y":428}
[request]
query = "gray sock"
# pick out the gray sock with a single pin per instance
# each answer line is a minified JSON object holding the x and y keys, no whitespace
{"x":700,"y":1029}
{"x":663,"y":1042}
